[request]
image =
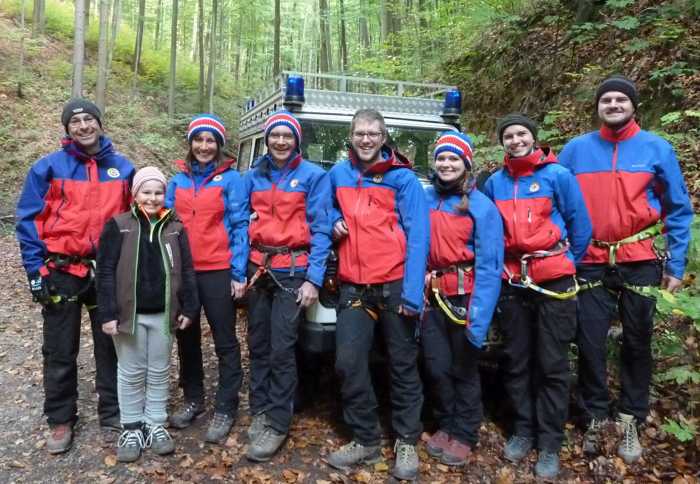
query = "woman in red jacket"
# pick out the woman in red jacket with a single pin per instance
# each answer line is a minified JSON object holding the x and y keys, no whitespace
{"x":206,"y":195}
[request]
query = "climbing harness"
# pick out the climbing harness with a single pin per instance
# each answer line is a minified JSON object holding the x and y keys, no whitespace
{"x":524,"y":281}
{"x":613,"y":247}
{"x":456,"y":314}
{"x":62,"y":260}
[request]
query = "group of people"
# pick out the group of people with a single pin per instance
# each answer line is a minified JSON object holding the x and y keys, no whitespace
{"x":552,"y":249}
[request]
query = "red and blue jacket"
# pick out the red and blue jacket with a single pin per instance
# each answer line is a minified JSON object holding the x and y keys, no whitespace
{"x":66,"y":200}
{"x":210,"y":201}
{"x":291,"y":208}
{"x":386,"y":213}
{"x":630,"y":180}
{"x":474,"y":237}
{"x":542,"y":207}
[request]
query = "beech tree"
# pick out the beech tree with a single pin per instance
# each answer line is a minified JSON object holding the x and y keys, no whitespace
{"x":78,"y":48}
{"x":173,"y":61}
{"x":102,"y":55}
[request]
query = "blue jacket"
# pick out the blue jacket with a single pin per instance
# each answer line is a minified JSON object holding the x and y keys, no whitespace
{"x":291,"y":208}
{"x":387,"y":216}
{"x":474,"y":237}
{"x":212,"y":205}
{"x":630,"y":180}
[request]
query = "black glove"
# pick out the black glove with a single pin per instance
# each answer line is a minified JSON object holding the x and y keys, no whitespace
{"x":39,"y":288}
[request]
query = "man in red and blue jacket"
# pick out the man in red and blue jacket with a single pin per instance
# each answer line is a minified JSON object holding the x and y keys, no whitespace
{"x":632,"y":184}
{"x":382,"y":223}
{"x":66,"y":200}
{"x":290,"y":239}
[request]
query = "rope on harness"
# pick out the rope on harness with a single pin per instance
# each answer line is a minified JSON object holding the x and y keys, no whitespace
{"x":62,"y":260}
{"x":526,"y":282}
{"x":456,"y":314}
{"x":613,"y":247}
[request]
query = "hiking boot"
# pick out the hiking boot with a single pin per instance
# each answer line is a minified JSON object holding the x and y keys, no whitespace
{"x":547,"y":466}
{"x":437,"y":444}
{"x":265,"y":445}
{"x":159,"y":440}
{"x":130,"y":445}
{"x":406,"y":465}
{"x":257,"y":425}
{"x":516,"y":448}
{"x":630,"y":450}
{"x":591,"y":438}
{"x":456,"y":453}
{"x":184,"y":417}
{"x":353,"y":453}
{"x":60,"y":439}
{"x":219,"y":427}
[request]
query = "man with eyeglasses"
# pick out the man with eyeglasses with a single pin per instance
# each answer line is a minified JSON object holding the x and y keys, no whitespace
{"x":67,"y":198}
{"x":381,"y":223}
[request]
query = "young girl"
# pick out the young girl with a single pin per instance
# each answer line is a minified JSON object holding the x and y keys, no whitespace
{"x":145,"y":290}
{"x":547,"y":230}
{"x":463,"y":283}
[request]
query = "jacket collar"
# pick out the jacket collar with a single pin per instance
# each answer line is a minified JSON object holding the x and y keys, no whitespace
{"x":390,"y":159}
{"x":622,"y":134}
{"x":526,"y":165}
{"x":184,"y":167}
{"x":70,"y":147}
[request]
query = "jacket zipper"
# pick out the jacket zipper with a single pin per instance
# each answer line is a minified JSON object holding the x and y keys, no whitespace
{"x":167,"y":271}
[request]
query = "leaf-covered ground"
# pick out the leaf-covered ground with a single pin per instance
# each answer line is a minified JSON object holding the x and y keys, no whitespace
{"x":316,"y":429}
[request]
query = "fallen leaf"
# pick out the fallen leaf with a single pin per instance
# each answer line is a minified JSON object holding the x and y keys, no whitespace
{"x":186,"y":461}
{"x":381,"y":467}
{"x":362,"y":476}
{"x":111,"y":460}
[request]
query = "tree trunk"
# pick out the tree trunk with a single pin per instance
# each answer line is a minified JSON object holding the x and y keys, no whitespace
{"x":138,"y":45}
{"x":212,"y":53}
{"x":116,"y":15}
{"x":276,"y":52}
{"x":200,"y":42}
{"x":237,"y":58}
{"x":343,"y":42}
{"x":78,"y":48}
{"x":159,"y":26}
{"x":87,"y":13}
{"x":20,"y":70}
{"x":173,"y":59}
{"x":38,"y":18}
{"x":102,"y":55}
{"x":363,"y":28}
{"x":325,"y":61}
{"x":196,"y":19}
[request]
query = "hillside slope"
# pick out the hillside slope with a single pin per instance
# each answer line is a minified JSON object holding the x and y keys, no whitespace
{"x":30,"y":126}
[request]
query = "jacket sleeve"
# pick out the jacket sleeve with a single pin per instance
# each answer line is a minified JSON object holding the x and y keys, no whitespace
{"x":106,"y":274}
{"x":335,"y":214}
{"x":170,"y":194}
{"x":236,"y":219}
{"x":30,"y":205}
{"x":318,"y":216}
{"x":190,"y":295}
{"x":573,"y":209}
{"x":677,"y":211}
{"x":488,"y":266}
{"x":415,"y":220}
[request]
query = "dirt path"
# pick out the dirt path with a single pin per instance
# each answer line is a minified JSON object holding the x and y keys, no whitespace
{"x":315,"y":432}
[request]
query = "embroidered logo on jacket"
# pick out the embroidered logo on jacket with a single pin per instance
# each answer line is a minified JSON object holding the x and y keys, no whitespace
{"x":218,"y":178}
{"x":377,"y":178}
{"x":534,"y":187}
{"x":113,"y":173}
{"x":294,"y":183}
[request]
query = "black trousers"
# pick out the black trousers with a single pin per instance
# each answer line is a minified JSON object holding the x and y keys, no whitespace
{"x":60,"y":350}
{"x":537,"y":331}
{"x":214,"y":289}
{"x":596,"y":308}
{"x":354,"y":336}
{"x":452,"y":365}
{"x":273,"y":323}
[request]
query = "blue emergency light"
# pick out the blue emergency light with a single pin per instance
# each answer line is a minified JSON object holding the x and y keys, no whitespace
{"x":452,"y":108}
{"x":294,"y":95}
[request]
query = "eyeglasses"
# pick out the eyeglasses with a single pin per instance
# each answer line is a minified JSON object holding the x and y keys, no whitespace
{"x":373,"y":135}
{"x":77,"y":120}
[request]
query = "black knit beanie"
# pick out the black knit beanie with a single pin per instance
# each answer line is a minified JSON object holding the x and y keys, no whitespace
{"x":77,"y":106}
{"x":515,"y":118}
{"x":621,"y":84}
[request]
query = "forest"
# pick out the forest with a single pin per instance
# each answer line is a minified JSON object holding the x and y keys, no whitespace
{"x":150,"y":65}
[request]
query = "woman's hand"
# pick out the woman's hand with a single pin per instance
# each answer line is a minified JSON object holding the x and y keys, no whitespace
{"x":183,"y":322}
{"x":238,"y":288}
{"x":110,"y":328}
{"x":340,"y":230}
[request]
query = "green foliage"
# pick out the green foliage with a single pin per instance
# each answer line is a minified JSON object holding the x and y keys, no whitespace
{"x":619,"y":3}
{"x":626,"y":23}
{"x":549,"y":132}
{"x":636,"y":45}
{"x":683,"y":429}
{"x":586,"y":31}
{"x":674,"y":70}
{"x":682,"y":375}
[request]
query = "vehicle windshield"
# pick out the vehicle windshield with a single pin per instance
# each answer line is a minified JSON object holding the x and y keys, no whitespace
{"x":326,"y":143}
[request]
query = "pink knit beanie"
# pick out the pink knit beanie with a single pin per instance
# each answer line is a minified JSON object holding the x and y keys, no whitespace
{"x":146,"y":174}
